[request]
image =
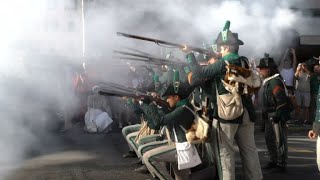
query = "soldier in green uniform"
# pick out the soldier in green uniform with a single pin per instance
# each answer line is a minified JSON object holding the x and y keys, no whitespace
{"x":225,"y":131}
{"x":314,"y":87}
{"x":179,"y":119}
{"x":315,"y":132}
{"x":276,"y":106}
{"x":131,"y":132}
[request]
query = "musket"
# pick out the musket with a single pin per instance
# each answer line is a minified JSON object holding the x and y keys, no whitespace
{"x":159,"y":101}
{"x":134,"y":59}
{"x":137,"y":50}
{"x":152,"y":64}
{"x":123,"y":88}
{"x":150,"y":58}
{"x":152,"y":61}
{"x":181,"y":46}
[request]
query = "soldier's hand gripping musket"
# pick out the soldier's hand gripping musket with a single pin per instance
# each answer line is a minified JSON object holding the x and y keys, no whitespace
{"x":140,"y":96}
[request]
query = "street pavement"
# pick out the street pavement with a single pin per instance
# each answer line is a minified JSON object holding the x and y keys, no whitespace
{"x":76,"y":155}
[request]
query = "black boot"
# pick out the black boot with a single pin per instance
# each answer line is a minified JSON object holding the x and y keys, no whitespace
{"x":129,"y":154}
{"x":279,"y":169}
{"x":270,"y":165}
{"x":139,"y":162}
{"x":143,"y":169}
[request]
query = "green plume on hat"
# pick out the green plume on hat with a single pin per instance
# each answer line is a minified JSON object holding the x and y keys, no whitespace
{"x":226,"y":25}
{"x":266,"y":59}
{"x":224,"y":33}
{"x":176,"y":80}
{"x":156,"y":78}
{"x":186,"y":69}
{"x":156,"y":82}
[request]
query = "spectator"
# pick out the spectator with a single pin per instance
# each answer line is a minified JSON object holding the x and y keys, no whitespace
{"x":302,"y":94}
{"x":81,"y":88}
{"x":286,"y":68}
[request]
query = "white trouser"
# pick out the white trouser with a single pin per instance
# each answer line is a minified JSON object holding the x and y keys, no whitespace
{"x":131,"y":141}
{"x":244,"y":136}
{"x":154,"y":160}
{"x":130,"y":129}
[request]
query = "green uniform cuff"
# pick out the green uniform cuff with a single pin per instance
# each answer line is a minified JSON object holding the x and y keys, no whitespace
{"x":130,"y":101}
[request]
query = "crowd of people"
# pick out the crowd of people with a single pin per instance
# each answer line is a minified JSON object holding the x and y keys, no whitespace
{"x":302,"y":82}
{"x":204,"y":89}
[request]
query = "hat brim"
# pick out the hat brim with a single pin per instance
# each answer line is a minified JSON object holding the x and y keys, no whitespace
{"x":239,"y":43}
{"x":184,"y":91}
{"x":272,"y":66}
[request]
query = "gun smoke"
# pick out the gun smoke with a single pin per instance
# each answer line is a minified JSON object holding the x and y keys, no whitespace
{"x":33,"y":87}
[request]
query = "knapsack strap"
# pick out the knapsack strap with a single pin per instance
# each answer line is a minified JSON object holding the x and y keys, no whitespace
{"x":189,"y":109}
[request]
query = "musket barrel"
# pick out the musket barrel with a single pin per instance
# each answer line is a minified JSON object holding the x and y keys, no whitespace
{"x":131,"y":54}
{"x":150,"y":58}
{"x":118,"y":94}
{"x":157,"y":41}
{"x":138,"y":51}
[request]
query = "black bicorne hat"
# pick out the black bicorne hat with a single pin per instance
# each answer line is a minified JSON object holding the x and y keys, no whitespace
{"x":267,"y":62}
{"x":182,"y":89}
{"x":226,"y":37}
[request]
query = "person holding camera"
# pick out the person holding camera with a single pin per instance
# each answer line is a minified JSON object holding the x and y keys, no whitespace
{"x":302,"y":94}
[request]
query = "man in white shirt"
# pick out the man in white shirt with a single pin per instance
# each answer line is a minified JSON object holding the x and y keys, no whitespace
{"x":287,"y":68}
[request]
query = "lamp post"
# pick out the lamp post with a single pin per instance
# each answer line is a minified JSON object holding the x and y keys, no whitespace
{"x":83,"y":29}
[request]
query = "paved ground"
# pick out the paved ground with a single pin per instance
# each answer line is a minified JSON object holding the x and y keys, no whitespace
{"x":76,"y":155}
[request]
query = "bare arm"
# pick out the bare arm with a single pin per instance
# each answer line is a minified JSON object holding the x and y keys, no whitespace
{"x":282,"y":60}
{"x":296,"y":74}
{"x":294,"y":62}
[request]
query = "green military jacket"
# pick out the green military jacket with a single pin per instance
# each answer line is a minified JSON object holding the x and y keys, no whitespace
{"x":314,"y":84}
{"x":134,"y":107}
{"x":213,"y":74}
{"x":316,"y":123}
{"x":275,"y":99}
{"x":180,"y":116}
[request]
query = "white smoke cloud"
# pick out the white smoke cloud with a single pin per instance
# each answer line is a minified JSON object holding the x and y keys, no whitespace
{"x":258,"y":23}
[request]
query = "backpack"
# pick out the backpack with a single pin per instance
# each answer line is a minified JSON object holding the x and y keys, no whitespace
{"x":238,"y":80}
{"x":199,"y":131}
{"x":243,"y":79}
